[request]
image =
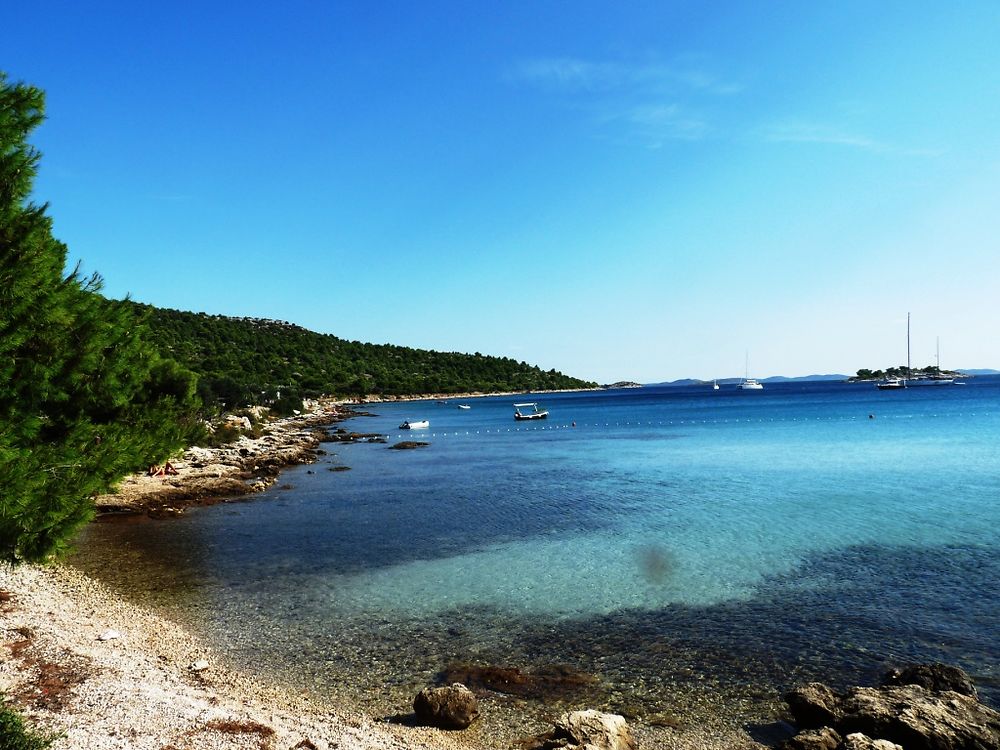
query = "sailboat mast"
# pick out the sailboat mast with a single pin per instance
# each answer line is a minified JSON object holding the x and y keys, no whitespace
{"x":907,"y":345}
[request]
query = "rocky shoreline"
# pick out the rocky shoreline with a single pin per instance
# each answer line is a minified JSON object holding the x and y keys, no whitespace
{"x":203,"y":476}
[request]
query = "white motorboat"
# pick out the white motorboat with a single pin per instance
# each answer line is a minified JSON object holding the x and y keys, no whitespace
{"x":415,"y":424}
{"x":534,"y":413}
{"x":464,"y":406}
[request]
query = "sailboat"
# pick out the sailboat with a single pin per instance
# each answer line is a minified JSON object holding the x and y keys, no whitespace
{"x":937,"y":378}
{"x":715,"y":385}
{"x":898,"y":384}
{"x":748,"y":383}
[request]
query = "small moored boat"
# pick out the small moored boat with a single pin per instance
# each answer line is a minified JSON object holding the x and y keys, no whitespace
{"x":464,"y":406}
{"x":415,"y":424}
{"x":891,"y":384}
{"x":534,"y":413}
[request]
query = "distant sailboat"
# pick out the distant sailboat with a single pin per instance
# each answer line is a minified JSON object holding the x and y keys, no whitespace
{"x":748,"y":383}
{"x":937,"y":378}
{"x":715,"y":385}
{"x":898,"y":384}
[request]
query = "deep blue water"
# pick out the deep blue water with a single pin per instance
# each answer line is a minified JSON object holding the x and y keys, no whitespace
{"x":673,"y":539}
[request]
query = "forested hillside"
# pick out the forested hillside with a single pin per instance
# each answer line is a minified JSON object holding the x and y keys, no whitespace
{"x":246,"y":360}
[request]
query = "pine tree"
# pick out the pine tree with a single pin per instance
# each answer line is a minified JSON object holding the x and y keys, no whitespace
{"x":84,"y":397}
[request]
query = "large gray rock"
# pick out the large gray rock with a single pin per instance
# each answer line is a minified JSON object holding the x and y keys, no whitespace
{"x":595,"y":730}
{"x":452,"y":707}
{"x":908,"y":715}
{"x":935,"y":676}
{"x":585,"y":730}
{"x":814,"y":705}
{"x":919,"y":719}
{"x":814,"y":739}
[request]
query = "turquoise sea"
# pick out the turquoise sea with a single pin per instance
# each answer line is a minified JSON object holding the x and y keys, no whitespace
{"x":683,"y":547}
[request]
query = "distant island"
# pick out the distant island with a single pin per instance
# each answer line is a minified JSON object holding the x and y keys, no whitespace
{"x":622,"y":384}
{"x":733,"y":381}
{"x":931,"y":372}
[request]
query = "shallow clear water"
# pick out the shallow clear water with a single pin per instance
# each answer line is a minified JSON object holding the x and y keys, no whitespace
{"x":674,"y":542}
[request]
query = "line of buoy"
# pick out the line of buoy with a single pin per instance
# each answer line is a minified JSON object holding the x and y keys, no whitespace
{"x":687,"y":422}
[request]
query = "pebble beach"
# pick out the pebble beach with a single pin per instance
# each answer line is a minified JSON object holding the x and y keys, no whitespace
{"x":103,"y":674}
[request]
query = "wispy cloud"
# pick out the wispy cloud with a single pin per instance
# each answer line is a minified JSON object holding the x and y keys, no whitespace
{"x":648,"y":101}
{"x":575,"y":74}
{"x":800,"y":131}
{"x":657,"y":123}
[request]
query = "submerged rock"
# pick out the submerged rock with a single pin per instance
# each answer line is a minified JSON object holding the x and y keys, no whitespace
{"x":548,"y":681}
{"x":407,"y":445}
{"x":452,"y":707}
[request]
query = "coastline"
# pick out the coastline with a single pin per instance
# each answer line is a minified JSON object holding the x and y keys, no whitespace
{"x":139,"y":690}
{"x":244,"y":467}
{"x":205,"y":476}
{"x":105,"y":674}
{"x":461,"y":396}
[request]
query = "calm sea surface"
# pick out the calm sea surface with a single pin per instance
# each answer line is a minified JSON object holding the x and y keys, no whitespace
{"x":684,"y":547}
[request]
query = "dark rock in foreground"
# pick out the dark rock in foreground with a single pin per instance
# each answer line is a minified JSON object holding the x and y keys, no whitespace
{"x":933,"y":677}
{"x":814,"y":739}
{"x":452,"y":707}
{"x":911,"y":715}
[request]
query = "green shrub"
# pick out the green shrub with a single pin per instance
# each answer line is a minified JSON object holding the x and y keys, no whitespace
{"x":14,"y":735}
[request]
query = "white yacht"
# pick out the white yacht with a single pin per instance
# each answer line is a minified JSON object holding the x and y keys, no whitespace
{"x":748,"y":383}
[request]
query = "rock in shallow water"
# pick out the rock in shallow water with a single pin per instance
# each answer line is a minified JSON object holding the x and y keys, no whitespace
{"x":452,"y":707}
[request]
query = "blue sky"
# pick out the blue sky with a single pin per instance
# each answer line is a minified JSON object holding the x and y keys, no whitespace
{"x":618,"y":190}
